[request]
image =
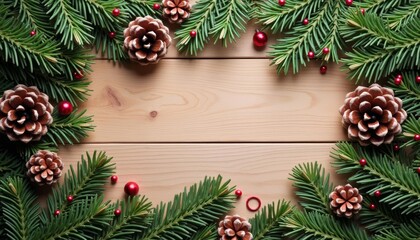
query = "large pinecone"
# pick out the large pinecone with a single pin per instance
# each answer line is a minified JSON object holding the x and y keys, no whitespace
{"x":25,"y":113}
{"x":176,"y":10}
{"x":44,"y":167}
{"x":234,"y":228}
{"x":146,"y":40}
{"x":372,"y":115}
{"x":345,"y":201}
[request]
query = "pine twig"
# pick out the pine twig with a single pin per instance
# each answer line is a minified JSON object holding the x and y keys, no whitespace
{"x":206,"y":233}
{"x":408,"y":230}
{"x":411,"y":127}
{"x":408,"y":91}
{"x":400,"y":16}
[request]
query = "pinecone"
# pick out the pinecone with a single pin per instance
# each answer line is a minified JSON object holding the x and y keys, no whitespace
{"x":25,"y":114}
{"x":146,"y":40}
{"x":234,"y":228}
{"x":176,"y":10}
{"x":345,"y":201}
{"x":372,"y":115}
{"x":44,"y":167}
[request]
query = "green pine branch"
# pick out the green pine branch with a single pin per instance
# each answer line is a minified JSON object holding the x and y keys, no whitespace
{"x":78,"y":59}
{"x":266,"y":223}
{"x":381,"y":6}
{"x":26,"y":150}
{"x":206,"y":233}
{"x":399,"y":184}
{"x":69,"y":23}
{"x":400,"y":16}
{"x":411,"y":127}
{"x":89,"y":178}
{"x":315,"y":225}
{"x":19,"y":211}
{"x":132,"y":221}
{"x":69,"y":129}
{"x":312,"y":187}
{"x":408,"y":231}
{"x":137,"y":8}
{"x":191,"y":210}
{"x":111,"y":48}
{"x":408,"y":91}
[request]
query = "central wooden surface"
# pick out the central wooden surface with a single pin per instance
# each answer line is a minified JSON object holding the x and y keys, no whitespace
{"x":224,"y":112}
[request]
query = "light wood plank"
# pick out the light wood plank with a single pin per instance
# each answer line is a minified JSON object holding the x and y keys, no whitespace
{"x":235,"y":100}
{"x":163,"y":170}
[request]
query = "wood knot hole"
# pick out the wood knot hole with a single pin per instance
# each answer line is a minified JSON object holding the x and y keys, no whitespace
{"x":153,"y":114}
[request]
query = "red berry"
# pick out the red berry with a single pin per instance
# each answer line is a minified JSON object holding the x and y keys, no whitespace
{"x":57,"y":212}
{"x":260,"y":39}
{"x":377,"y":193}
{"x":418,"y":79}
{"x":399,"y":76}
{"x":311,"y":55}
{"x":114,"y":179}
{"x":349,"y":2}
{"x":65,"y":108}
{"x":305,"y":21}
{"x":112,"y":35}
{"x":193,"y":34}
{"x":282,"y":2}
{"x":117,"y":212}
{"x":372,"y":207}
{"x":116,"y":12}
{"x":323,"y":69}
{"x":396,"y":147}
{"x":417,"y":137}
{"x":70,"y":198}
{"x":418,"y":170}
{"x":33,"y":33}
{"x":325,"y":50}
{"x":362,"y":162}
{"x":156,"y":6}
{"x":397,"y":81}
{"x":363,"y":11}
{"x":131,"y":188}
{"x":238,"y":193}
{"x":78,"y":75}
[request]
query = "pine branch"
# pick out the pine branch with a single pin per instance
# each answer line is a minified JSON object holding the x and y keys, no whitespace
{"x":408,"y":91}
{"x":72,"y":27}
{"x":400,"y":186}
{"x":201,"y":20}
{"x":191,"y":210}
{"x":400,"y":16}
{"x":25,"y":151}
{"x":84,"y":219}
{"x":206,"y":233}
{"x":312,"y":187}
{"x":136,"y":8}
{"x":314,"y":225}
{"x":70,"y":129}
{"x":89,"y":178}
{"x":266,"y":223}
{"x":112,"y":48}
{"x":411,"y":127}
{"x":76,"y":60}
{"x":19,"y":212}
{"x":381,"y":6}
{"x":407,"y":231}
{"x":231,"y":20}
{"x":132,"y":220}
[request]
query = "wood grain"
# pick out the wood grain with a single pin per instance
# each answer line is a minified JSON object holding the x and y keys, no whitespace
{"x":163,"y":170}
{"x":223,"y":100}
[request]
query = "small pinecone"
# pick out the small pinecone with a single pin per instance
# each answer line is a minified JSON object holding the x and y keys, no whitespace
{"x":25,"y":114}
{"x":146,"y":40}
{"x":176,"y":10}
{"x":372,"y":115}
{"x":44,"y":167}
{"x":234,"y":228}
{"x":345,"y":201}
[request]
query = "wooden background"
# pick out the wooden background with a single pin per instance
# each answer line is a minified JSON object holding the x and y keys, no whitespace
{"x":224,"y":112}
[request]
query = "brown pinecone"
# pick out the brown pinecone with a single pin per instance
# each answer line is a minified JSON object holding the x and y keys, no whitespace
{"x":372,"y":115}
{"x":44,"y":167}
{"x":345,"y":201}
{"x":176,"y":10}
{"x":25,"y":113}
{"x":234,"y":228}
{"x":146,"y":40}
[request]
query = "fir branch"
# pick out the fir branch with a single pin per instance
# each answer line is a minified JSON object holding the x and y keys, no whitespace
{"x":408,"y":91}
{"x":400,"y":186}
{"x":334,"y":41}
{"x":31,"y":13}
{"x":411,"y":127}
{"x":407,"y":231}
{"x":136,"y":8}
{"x":26,"y":150}
{"x":313,"y":187}
{"x":69,"y":129}
{"x":132,"y":220}
{"x":72,"y":27}
{"x":20,"y":214}
{"x":112,"y":48}
{"x":231,"y":20}
{"x":205,"y":233}
{"x":266,"y":223}
{"x":314,"y":225}
{"x":403,"y":14}
{"x":201,"y":20}
{"x":85,"y":219}
{"x":191,"y":210}
{"x":78,"y":59}
{"x":381,"y":6}
{"x":88,"y":180}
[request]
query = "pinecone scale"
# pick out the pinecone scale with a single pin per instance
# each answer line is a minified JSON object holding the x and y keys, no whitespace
{"x":234,"y":228}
